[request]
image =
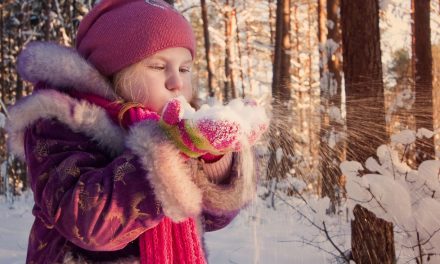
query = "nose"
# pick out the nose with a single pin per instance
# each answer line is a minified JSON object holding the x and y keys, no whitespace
{"x":174,"y":81}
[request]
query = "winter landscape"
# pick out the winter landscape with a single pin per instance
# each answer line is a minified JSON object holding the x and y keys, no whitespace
{"x":350,"y":163}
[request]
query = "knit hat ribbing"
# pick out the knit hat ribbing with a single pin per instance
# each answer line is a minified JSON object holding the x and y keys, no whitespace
{"x":119,"y":33}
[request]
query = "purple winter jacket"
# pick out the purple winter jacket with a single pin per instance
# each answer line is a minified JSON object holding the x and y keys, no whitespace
{"x":97,"y":187}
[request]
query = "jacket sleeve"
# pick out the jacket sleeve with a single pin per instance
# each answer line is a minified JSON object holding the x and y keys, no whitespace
{"x":97,"y":201}
{"x":222,"y":201}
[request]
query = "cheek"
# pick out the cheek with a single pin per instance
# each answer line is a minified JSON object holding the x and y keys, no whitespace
{"x":188,"y":91}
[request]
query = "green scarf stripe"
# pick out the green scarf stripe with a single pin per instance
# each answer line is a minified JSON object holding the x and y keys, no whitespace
{"x":174,"y":134}
{"x":199,"y":141}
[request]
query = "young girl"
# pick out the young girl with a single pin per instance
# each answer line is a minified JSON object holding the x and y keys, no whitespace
{"x":113,"y":181}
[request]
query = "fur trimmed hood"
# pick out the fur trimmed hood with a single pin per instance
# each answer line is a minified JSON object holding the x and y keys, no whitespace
{"x":80,"y":116}
{"x":62,"y":68}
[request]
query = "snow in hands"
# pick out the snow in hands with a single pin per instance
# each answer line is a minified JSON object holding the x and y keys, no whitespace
{"x":239,"y":123}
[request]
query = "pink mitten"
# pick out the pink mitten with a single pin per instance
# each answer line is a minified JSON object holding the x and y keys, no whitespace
{"x":196,"y":137}
{"x":213,"y":130}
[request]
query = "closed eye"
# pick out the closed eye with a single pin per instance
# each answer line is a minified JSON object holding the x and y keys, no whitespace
{"x":157,"y":67}
{"x":185,"y":69}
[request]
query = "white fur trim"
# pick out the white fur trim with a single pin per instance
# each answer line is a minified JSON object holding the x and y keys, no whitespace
{"x":80,"y":116}
{"x":61,"y":67}
{"x":218,"y":199}
{"x":168,"y":173}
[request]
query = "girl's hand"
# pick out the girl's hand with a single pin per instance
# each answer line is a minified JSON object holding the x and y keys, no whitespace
{"x":196,"y":137}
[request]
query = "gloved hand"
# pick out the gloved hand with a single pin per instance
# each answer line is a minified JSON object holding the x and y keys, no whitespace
{"x":200,"y":133}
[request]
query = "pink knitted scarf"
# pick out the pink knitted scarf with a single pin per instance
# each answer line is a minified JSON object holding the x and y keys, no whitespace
{"x":167,"y":242}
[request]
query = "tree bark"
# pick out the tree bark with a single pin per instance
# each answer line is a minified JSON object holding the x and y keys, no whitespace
{"x":332,"y":144}
{"x":422,"y":70}
{"x":369,"y":236}
{"x":249,"y":59}
{"x":207,"y":47}
{"x":322,"y":37}
{"x":47,"y":9}
{"x":229,"y":84}
{"x":271,"y":23}
{"x":282,"y":141}
{"x":366,"y":127}
{"x":240,"y":56}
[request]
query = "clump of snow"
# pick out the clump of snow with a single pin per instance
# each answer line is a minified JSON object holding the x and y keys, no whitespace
{"x":383,"y":4}
{"x":392,"y":190}
{"x":335,"y":114}
{"x":423,"y":132}
{"x":428,"y":175}
{"x":247,"y":114}
{"x":404,"y":137}
{"x":331,"y":45}
{"x":351,"y":168}
{"x":427,"y":221}
{"x":382,"y":195}
{"x":390,"y":160}
{"x":372,"y":165}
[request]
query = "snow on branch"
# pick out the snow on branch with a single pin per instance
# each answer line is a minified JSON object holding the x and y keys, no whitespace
{"x":409,"y":198}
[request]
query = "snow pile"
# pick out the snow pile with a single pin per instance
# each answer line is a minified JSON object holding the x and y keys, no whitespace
{"x":409,"y":198}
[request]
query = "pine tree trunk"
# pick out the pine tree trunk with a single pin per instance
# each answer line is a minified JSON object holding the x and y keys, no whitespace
{"x":249,"y":59}
{"x":229,"y":84}
{"x":322,"y":37}
{"x":366,"y":234}
{"x":422,"y":68}
{"x":47,"y":9}
{"x":207,"y":47}
{"x":271,"y":23}
{"x":240,"y":56}
{"x":365,"y":117}
{"x":332,"y":127}
{"x":281,"y":93}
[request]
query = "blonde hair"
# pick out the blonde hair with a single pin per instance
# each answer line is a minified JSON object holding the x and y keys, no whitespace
{"x":125,"y":78}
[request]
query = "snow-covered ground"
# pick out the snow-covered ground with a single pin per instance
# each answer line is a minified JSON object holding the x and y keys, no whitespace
{"x":258,"y":235}
{"x":15,"y":222}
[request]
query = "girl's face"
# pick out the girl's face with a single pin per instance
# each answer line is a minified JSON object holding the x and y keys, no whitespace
{"x":156,"y":79}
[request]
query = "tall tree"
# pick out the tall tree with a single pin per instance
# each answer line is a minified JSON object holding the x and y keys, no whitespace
{"x":229,"y":83}
{"x":322,"y":38}
{"x":436,"y":92}
{"x":372,"y":240}
{"x":332,"y":124}
{"x":207,"y":47}
{"x":422,"y":72}
{"x":280,"y":143}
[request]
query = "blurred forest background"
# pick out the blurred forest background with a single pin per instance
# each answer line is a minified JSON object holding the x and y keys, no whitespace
{"x":339,"y":77}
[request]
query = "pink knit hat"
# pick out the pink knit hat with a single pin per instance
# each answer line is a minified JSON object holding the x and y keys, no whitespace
{"x":118,"y":33}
